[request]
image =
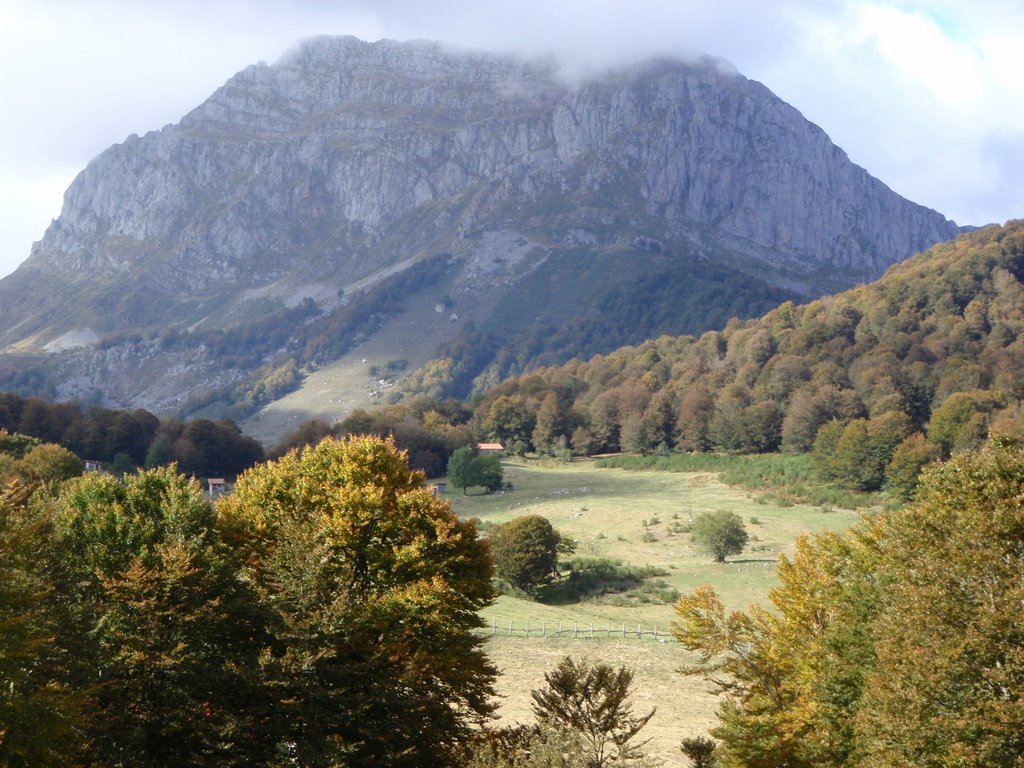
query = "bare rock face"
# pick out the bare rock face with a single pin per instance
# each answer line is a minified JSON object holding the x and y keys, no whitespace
{"x":345,"y":158}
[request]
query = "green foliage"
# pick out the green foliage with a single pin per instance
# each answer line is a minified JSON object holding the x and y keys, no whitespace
{"x":128,"y":438}
{"x":592,"y":701}
{"x":700,"y":750}
{"x":719,"y":533}
{"x":372,"y":587}
{"x":44,"y":464}
{"x":897,"y":643}
{"x":16,"y":445}
{"x":786,"y":479}
{"x":948,"y":681}
{"x":466,"y":468}
{"x":525,"y":552}
{"x":590,"y":578}
{"x":909,"y":458}
{"x":157,"y":619}
{"x":39,"y":710}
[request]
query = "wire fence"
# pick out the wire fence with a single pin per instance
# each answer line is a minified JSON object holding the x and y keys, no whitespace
{"x":572,"y":630}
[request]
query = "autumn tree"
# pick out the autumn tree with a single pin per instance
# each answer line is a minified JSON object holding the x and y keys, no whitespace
{"x":693,"y":421}
{"x":948,"y":684}
{"x":509,"y":420}
{"x":373,"y":588}
{"x":551,"y":423}
{"x":791,"y":677}
{"x":897,"y":643}
{"x":592,"y":701}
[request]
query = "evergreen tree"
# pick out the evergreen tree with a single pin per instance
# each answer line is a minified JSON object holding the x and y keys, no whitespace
{"x":593,"y":702}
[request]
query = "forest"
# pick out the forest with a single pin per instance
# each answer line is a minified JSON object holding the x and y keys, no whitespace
{"x":330,"y":593}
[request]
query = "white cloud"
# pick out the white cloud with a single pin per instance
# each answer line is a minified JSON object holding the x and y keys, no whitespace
{"x":925,"y":94}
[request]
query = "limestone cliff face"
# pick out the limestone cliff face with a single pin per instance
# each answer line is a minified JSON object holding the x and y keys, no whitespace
{"x":346,"y":157}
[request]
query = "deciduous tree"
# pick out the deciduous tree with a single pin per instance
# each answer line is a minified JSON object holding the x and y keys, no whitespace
{"x":526,"y":550}
{"x":373,"y":588}
{"x":719,"y":533}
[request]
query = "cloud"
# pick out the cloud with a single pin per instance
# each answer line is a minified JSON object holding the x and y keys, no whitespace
{"x":924,"y":94}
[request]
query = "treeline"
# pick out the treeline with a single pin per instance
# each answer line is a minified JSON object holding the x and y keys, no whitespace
{"x":124,"y":440}
{"x":923,"y":363}
{"x":322,"y":614}
{"x":429,"y":431}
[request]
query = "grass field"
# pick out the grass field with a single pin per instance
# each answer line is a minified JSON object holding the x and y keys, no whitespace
{"x":637,"y":517}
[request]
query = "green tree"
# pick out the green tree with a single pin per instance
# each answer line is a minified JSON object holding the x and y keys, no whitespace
{"x":525,"y":551}
{"x":909,"y":458}
{"x":719,"y":533}
{"x":162,"y":631}
{"x":949,"y":418}
{"x":593,"y":702}
{"x":464,"y":469}
{"x":489,"y":472}
{"x":373,"y":587}
{"x":700,"y":750}
{"x":40,"y":710}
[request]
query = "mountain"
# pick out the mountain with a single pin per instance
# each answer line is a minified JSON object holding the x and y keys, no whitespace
{"x":534,"y":208}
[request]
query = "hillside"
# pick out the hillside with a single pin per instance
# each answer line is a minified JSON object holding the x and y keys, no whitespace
{"x":214,"y":262}
{"x":935,"y":345}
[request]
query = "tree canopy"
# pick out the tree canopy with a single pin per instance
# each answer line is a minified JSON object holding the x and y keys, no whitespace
{"x":525,"y":551}
{"x":322,"y":615}
{"x":897,"y":643}
{"x":720,"y":533}
{"x":372,"y":587}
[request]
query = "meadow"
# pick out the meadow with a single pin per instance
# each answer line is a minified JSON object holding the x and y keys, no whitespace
{"x":639,"y":518}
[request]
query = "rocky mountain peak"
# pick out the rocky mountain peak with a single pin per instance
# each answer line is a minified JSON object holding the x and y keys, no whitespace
{"x":346,"y":161}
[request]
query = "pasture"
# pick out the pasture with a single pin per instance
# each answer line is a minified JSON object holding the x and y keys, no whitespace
{"x":640,"y":518}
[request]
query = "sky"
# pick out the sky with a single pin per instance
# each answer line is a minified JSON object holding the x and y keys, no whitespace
{"x":927,"y":96}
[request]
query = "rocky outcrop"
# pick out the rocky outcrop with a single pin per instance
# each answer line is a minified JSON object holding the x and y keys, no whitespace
{"x":345,"y":158}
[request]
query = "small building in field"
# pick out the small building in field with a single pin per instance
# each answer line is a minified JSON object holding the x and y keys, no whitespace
{"x":215,"y":487}
{"x":91,"y":465}
{"x":490,"y":448}
{"x":438,"y":488}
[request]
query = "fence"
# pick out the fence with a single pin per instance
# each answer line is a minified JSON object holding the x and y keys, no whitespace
{"x":544,"y":629}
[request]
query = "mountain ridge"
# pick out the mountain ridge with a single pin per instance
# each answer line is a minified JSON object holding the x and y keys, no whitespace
{"x":344,"y":160}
